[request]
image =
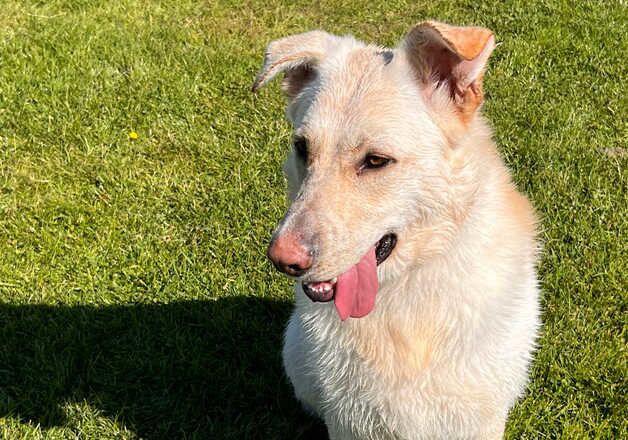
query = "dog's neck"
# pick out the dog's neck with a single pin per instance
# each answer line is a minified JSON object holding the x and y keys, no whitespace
{"x":475,"y":175}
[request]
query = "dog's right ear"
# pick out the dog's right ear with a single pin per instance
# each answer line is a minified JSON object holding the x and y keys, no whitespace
{"x":453,"y":57}
{"x":297,"y":56}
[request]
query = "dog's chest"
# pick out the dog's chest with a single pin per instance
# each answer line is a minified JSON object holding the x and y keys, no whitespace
{"x":374,"y":378}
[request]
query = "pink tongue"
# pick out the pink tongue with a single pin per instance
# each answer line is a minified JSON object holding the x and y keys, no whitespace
{"x":357,"y":287}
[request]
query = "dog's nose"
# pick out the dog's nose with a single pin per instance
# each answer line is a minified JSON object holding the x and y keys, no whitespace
{"x":290,"y":255}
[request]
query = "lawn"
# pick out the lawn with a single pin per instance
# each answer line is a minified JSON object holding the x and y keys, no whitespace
{"x":135,"y":298}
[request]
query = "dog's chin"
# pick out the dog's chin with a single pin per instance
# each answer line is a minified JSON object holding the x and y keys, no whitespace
{"x":324,"y":291}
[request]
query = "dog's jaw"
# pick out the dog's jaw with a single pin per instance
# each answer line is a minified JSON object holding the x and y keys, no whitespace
{"x":354,"y":290}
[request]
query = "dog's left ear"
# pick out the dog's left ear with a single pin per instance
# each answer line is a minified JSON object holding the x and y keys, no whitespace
{"x":297,"y":56}
{"x":453,"y":57}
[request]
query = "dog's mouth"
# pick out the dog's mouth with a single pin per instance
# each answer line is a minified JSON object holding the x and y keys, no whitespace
{"x":354,"y":291}
{"x":384,"y":247}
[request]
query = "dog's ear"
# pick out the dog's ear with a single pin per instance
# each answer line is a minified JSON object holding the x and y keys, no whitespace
{"x":297,"y":56}
{"x":453,"y":57}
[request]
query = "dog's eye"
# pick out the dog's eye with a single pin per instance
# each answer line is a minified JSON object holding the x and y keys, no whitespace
{"x":373,"y":161}
{"x":300,"y":147}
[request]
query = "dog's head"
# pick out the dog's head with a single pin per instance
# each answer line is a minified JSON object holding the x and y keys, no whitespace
{"x":373,"y":162}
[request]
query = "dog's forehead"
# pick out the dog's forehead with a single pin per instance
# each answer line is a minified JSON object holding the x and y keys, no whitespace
{"x":348,"y":79}
{"x":355,"y":89}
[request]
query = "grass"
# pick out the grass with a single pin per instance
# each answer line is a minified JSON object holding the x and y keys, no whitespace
{"x":135,"y":299}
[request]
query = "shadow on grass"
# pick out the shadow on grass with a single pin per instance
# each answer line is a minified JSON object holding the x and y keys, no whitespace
{"x":195,"y":369}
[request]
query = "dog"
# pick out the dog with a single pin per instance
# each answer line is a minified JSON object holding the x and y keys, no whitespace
{"x":416,"y":298}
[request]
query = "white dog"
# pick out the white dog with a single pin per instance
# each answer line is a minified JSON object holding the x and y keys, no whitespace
{"x":416,"y":297}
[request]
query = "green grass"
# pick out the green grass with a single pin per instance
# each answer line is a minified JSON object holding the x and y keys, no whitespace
{"x":135,"y":299}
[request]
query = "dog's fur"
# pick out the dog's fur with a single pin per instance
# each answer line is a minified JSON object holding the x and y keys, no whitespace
{"x":445,"y":351}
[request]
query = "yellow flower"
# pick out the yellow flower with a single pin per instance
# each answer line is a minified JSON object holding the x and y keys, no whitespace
{"x":133,"y":135}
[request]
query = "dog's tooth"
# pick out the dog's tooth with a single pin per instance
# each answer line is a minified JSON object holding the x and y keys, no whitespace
{"x":333,"y":281}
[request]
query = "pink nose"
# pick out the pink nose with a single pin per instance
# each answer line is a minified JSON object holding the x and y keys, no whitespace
{"x":290,"y":255}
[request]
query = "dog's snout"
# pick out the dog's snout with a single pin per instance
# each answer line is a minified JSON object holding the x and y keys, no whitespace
{"x":290,"y":254}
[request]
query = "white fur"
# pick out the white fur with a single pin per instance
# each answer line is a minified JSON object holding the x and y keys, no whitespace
{"x":445,"y":352}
